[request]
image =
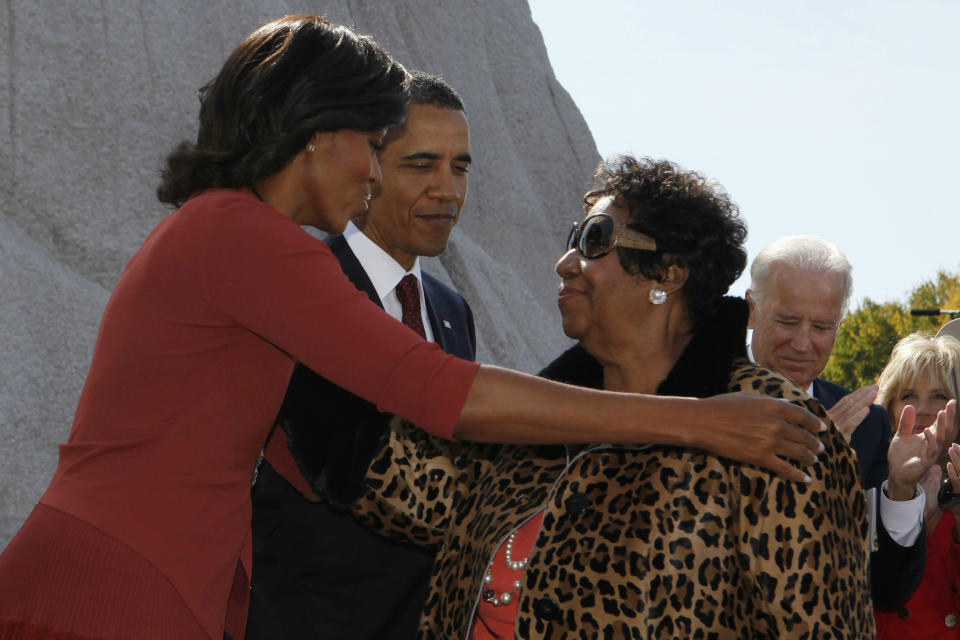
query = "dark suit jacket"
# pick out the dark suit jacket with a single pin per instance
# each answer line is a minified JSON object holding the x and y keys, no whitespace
{"x":316,"y":572}
{"x":871,"y":438}
{"x":895,"y":571}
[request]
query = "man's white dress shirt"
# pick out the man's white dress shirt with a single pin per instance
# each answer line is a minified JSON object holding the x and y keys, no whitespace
{"x":385,"y":273}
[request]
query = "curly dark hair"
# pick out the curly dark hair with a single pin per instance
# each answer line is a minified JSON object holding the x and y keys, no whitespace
{"x":694,"y":222}
{"x":286,"y":81}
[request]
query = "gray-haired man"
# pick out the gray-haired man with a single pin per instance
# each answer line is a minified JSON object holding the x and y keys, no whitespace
{"x":800,"y":288}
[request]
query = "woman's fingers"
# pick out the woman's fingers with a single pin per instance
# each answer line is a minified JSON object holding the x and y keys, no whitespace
{"x":796,"y":450}
{"x":942,"y":427}
{"x":767,"y":432}
{"x":942,"y":432}
{"x":950,"y":422}
{"x":797,"y":415}
{"x":794,"y":440}
{"x":794,"y":435}
{"x":907,"y":418}
{"x":952,"y":465}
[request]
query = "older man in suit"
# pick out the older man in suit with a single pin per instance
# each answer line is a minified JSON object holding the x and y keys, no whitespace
{"x":316,"y":573}
{"x":799,"y":293}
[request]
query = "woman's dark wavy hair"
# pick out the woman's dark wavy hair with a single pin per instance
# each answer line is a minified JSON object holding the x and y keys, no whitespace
{"x":286,"y":81}
{"x":693,"y":221}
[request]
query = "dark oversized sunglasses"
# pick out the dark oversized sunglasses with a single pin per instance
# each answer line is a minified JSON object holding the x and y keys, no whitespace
{"x":597,"y":235}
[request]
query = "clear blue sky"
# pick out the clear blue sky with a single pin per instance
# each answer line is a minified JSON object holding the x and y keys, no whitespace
{"x":833,"y":118}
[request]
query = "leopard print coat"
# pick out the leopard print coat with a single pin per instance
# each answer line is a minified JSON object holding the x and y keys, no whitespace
{"x":636,"y":542}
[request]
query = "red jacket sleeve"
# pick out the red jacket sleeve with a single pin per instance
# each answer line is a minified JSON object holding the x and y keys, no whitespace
{"x":269,"y":275}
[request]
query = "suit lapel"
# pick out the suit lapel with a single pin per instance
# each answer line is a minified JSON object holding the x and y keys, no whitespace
{"x":352,"y":267}
{"x":824,"y":394}
{"x":441,"y":331}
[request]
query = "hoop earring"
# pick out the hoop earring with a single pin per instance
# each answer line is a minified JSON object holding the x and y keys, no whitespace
{"x":657,"y":296}
{"x":311,"y":147}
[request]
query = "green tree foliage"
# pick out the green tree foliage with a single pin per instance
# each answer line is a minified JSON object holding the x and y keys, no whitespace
{"x":868,"y":333}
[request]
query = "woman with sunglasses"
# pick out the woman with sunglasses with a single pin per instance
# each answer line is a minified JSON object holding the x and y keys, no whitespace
{"x":607,"y":540}
{"x":921,"y":378}
{"x":144,"y":531}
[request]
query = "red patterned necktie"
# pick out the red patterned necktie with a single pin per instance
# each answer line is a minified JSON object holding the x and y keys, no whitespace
{"x":408,"y":293}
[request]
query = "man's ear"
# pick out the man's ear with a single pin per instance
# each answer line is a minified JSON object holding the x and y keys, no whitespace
{"x":752,"y":305}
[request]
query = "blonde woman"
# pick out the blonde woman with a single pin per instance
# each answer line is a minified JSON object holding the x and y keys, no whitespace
{"x":920,"y":380}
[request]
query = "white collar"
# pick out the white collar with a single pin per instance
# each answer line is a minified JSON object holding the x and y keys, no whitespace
{"x":384,"y":272}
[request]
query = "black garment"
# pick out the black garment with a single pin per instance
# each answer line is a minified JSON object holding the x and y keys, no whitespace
{"x":702,"y":370}
{"x":316,"y":572}
{"x":895,"y":571}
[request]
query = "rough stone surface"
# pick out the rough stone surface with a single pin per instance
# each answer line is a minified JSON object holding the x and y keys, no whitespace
{"x":94,"y":95}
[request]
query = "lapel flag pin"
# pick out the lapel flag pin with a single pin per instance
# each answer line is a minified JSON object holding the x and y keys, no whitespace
{"x":447,"y":324}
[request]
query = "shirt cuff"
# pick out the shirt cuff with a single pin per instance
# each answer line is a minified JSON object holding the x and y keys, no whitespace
{"x":903,"y":519}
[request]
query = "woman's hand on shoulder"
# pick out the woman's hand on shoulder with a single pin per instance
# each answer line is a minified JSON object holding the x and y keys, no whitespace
{"x":764,"y":431}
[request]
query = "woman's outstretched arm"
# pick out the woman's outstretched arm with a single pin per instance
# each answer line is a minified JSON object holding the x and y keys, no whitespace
{"x":264,"y":273}
{"x":507,"y":406}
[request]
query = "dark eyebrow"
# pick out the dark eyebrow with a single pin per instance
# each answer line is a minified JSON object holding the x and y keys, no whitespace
{"x":429,"y":155}
{"x":422,"y":155}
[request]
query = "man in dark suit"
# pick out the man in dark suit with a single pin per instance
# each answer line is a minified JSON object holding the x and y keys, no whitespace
{"x":316,"y":572}
{"x":868,"y":435}
{"x":799,"y":293}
